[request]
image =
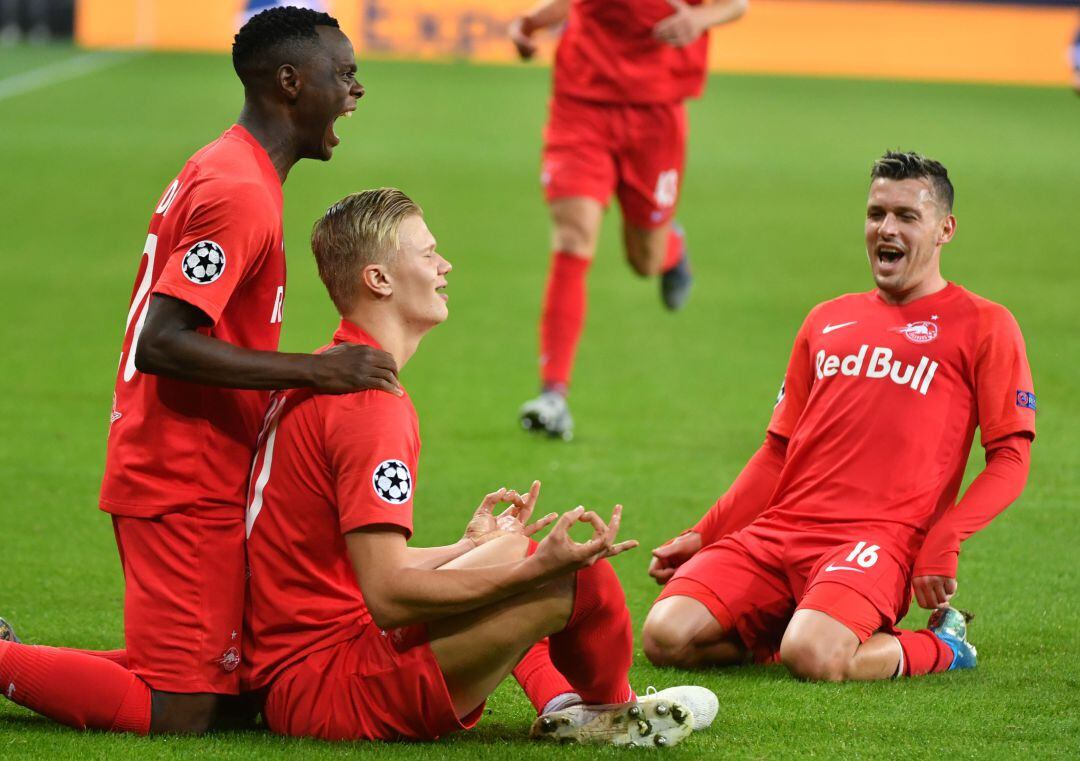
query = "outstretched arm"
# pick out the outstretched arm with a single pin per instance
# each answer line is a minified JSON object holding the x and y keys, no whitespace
{"x":540,"y":16}
{"x":1000,"y":483}
{"x":738,"y":507}
{"x":399,"y":594}
{"x":688,"y":22}
{"x":171,"y":345}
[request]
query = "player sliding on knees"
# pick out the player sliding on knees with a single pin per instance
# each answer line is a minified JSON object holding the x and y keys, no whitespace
{"x":350,"y":633}
{"x":812,"y":553}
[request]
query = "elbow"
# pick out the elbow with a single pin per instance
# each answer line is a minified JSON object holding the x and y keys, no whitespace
{"x":152,"y":354}
{"x":386,"y":614}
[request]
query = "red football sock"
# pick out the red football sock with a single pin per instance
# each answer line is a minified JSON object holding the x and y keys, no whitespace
{"x":674,"y":251}
{"x":539,"y":678}
{"x":79,"y":690}
{"x":562,"y":318}
{"x":119,"y":657}
{"x":595,"y":649}
{"x":924,"y":653}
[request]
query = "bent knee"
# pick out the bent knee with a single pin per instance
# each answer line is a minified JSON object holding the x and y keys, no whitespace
{"x":666,"y":643}
{"x":813,"y":662}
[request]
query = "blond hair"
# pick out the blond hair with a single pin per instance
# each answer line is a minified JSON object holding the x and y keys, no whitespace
{"x":358,"y":230}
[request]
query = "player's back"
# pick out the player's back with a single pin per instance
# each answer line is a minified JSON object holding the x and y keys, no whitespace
{"x":214,"y":242}
{"x":607,"y":53}
{"x":316,"y":477}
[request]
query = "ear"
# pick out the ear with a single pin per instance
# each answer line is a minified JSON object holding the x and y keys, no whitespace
{"x":288,"y":81}
{"x":376,"y":279}
{"x":948,"y":230}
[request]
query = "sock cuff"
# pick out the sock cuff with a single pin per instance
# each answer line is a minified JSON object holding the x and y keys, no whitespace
{"x":134,"y":712}
{"x":568,"y":263}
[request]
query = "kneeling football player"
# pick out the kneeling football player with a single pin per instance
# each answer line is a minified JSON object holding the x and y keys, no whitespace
{"x":353,"y":634}
{"x":812,"y":554}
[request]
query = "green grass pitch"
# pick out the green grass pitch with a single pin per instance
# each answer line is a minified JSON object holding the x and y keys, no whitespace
{"x":668,"y":406}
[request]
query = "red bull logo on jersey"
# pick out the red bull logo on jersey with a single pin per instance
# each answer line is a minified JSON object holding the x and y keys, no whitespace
{"x":918,"y":332}
{"x":880,"y":364}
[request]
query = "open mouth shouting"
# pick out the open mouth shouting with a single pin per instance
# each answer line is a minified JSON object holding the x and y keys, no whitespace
{"x":332,"y":138}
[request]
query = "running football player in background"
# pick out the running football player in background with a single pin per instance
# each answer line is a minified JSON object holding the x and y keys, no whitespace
{"x":350,"y":633}
{"x":812,"y":553}
{"x":199,"y":354}
{"x":617,"y":124}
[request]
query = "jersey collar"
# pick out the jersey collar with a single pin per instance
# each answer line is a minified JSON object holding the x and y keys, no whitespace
{"x":260,"y":153}
{"x":351,"y":333}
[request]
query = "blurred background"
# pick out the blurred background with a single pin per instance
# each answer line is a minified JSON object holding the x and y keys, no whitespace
{"x":1017,"y":42}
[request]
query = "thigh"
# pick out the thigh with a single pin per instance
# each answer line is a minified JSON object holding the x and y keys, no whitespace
{"x":650,"y":163}
{"x":379,"y":685}
{"x":579,"y":151}
{"x":877,"y":576}
{"x":183,"y":598}
{"x":738,"y":581}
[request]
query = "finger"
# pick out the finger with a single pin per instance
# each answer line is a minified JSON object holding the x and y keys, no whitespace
{"x":663,"y":575}
{"x":540,"y":525}
{"x":490,"y":500}
{"x":678,"y":5}
{"x":920,"y":596}
{"x":951,"y":585}
{"x":621,"y":547}
{"x":566,"y":520}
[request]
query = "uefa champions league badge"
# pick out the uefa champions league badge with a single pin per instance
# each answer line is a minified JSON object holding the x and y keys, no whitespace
{"x":392,"y":482}
{"x":203,"y":263}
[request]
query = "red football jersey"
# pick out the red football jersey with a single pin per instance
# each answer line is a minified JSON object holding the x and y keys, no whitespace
{"x":607,"y":53}
{"x":880,"y":405}
{"x":215,"y":242}
{"x":326,"y":465}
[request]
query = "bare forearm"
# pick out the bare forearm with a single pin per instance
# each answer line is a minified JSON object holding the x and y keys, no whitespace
{"x":416,"y":595}
{"x":721,"y":11}
{"x":197,"y":358}
{"x":429,"y":558}
{"x":545,"y":14}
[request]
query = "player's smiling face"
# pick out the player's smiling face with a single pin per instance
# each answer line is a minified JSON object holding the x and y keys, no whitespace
{"x":330,"y":92}
{"x":418,"y":275}
{"x":905,"y":229}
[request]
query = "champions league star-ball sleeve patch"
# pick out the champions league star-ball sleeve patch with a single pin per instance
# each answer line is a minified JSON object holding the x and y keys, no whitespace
{"x":392,"y":481}
{"x":203,"y":263}
{"x":1025,"y":399}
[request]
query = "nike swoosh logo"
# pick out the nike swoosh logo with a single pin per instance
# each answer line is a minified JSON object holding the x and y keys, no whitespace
{"x":831,"y":328}
{"x":831,"y":567}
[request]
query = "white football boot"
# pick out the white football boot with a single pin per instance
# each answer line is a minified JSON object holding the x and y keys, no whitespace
{"x":659,"y":719}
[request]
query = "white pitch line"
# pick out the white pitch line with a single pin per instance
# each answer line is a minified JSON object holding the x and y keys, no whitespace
{"x":58,"y":71}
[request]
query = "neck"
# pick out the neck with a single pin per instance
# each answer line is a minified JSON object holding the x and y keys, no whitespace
{"x":925,"y":288}
{"x":394,"y":335}
{"x":272,"y":132}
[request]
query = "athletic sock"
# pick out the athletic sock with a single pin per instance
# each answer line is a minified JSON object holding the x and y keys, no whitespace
{"x":79,"y":690}
{"x":675,"y":243}
{"x":924,"y":653}
{"x":539,"y":678}
{"x":562,"y":318}
{"x":119,"y":657}
{"x":595,"y":649}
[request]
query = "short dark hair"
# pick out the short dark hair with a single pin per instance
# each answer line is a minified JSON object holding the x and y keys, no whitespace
{"x":898,"y":165}
{"x":273,"y":34}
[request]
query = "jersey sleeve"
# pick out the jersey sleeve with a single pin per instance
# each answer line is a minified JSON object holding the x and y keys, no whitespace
{"x":791,"y":401}
{"x":372,"y":447}
{"x":1004,"y":392}
{"x":229,"y":230}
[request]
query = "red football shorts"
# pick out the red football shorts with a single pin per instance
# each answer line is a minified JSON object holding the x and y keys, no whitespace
{"x":379,"y":685}
{"x":755,"y":579}
{"x":184,"y":598}
{"x":636,"y":151}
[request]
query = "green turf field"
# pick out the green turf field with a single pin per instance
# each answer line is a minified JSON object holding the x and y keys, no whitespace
{"x":668,"y":407}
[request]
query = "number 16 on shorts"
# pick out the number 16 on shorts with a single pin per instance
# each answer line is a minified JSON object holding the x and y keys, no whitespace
{"x":863,"y":554}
